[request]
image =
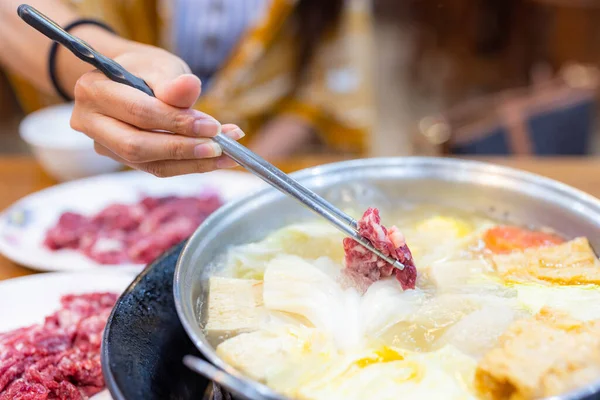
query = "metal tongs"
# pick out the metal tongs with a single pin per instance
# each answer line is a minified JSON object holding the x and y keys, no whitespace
{"x":242,"y":155}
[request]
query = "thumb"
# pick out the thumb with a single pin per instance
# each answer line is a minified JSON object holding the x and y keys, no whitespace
{"x":182,"y":91}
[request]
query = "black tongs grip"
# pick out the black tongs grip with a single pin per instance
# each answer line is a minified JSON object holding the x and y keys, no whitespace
{"x":81,"y":49}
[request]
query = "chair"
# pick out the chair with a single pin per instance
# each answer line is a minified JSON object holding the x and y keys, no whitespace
{"x":551,"y":117}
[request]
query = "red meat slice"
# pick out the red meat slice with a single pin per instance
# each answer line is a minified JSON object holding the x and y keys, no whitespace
{"x":23,"y":390}
{"x":89,"y":330}
{"x":89,"y":304}
{"x":82,"y":367}
{"x":150,"y":203}
{"x":196,"y":210}
{"x":59,"y":359}
{"x":67,"y":232}
{"x":365,"y":267}
{"x":120,"y":217}
{"x":106,"y":247}
{"x":136,"y":233}
{"x":148,"y":247}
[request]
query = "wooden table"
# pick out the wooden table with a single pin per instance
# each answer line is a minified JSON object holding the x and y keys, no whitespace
{"x":20,"y":176}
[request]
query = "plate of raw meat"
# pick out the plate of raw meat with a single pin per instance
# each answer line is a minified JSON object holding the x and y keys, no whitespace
{"x":51,"y":334}
{"x":123,"y":220}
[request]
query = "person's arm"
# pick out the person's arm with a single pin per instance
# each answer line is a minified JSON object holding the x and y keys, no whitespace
{"x":122,"y":121}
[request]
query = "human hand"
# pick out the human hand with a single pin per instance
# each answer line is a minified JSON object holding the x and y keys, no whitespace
{"x":124,"y":121}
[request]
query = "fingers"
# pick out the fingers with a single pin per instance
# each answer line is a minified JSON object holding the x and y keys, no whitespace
{"x":168,"y":168}
{"x":168,"y":75}
{"x":135,"y":129}
{"x":164,"y":169}
{"x":182,"y":91}
{"x":97,"y":93}
{"x":137,"y":146}
{"x":173,"y":83}
{"x":104,"y":151}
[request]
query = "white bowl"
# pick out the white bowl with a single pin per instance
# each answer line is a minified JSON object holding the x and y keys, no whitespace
{"x":64,"y":153}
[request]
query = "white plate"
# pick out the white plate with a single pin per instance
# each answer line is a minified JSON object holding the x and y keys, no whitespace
{"x":32,"y":298}
{"x":23,"y":226}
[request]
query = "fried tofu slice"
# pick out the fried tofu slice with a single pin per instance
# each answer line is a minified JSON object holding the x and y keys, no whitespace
{"x":234,"y":306}
{"x":547,"y":355}
{"x":570,"y":263}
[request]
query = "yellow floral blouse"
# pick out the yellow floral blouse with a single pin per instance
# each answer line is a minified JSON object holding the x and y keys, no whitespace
{"x":257,"y":81}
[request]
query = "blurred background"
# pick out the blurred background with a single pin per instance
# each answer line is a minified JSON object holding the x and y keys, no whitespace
{"x":464,"y":77}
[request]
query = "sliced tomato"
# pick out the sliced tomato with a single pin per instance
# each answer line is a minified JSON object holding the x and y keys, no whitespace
{"x":504,"y":239}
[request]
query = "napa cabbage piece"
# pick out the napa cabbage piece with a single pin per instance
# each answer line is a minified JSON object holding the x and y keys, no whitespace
{"x":262,"y":353}
{"x":293,"y":285}
{"x":470,"y":276}
{"x":462,"y":294}
{"x":453,"y":275}
{"x":311,"y":240}
{"x":478,"y":332}
{"x":580,"y":302}
{"x":424,"y":329}
{"x":379,"y":372}
{"x":385,"y":304}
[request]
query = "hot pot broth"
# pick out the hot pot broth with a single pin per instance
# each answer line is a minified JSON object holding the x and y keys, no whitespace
{"x":279,"y":312}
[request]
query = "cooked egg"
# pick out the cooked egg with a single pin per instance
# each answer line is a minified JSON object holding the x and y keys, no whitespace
{"x":441,"y":225}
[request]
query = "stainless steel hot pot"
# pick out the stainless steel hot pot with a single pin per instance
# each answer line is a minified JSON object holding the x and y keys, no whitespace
{"x":498,"y":191}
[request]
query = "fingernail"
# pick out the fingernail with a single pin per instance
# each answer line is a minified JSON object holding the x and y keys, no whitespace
{"x":236,"y":134}
{"x":226,"y":162}
{"x":207,"y":150}
{"x":206,"y":127}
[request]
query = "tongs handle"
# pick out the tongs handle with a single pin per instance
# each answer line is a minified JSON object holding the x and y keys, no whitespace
{"x":113,"y":70}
